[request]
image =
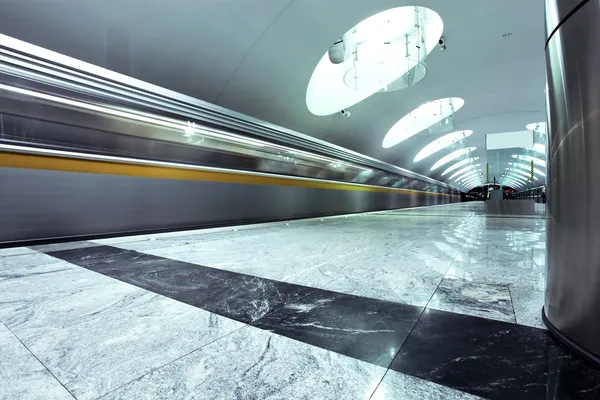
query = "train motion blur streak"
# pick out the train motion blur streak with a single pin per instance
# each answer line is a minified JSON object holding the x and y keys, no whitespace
{"x":86,"y":152}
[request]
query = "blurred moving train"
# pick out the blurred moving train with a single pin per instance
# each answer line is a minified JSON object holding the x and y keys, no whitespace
{"x":86,"y":152}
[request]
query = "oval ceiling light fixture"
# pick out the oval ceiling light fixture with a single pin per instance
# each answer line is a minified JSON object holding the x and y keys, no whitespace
{"x":459,"y":164}
{"x":421,"y":118}
{"x":463,"y":170}
{"x":442,"y":143}
{"x":537,"y":127}
{"x":515,"y":177}
{"x":529,"y":159}
{"x":452,"y":156}
{"x":386,"y":51}
{"x":468,"y":175}
{"x":528,"y":168}
{"x":522,"y":173}
{"x":539,"y":148}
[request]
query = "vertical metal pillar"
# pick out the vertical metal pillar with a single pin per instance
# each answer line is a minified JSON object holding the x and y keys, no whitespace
{"x":572,"y":306}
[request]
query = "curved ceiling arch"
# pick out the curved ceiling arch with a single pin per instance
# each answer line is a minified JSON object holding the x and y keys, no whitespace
{"x":260,"y":61}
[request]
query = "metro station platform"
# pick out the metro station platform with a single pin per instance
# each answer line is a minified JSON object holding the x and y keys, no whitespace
{"x":439,"y":302}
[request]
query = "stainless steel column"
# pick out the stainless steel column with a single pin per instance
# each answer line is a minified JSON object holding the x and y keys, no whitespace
{"x":572,"y":309}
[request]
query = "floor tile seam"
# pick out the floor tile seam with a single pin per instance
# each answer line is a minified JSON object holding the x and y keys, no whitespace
{"x":512,"y":303}
{"x":41,"y":363}
{"x":152,"y":370}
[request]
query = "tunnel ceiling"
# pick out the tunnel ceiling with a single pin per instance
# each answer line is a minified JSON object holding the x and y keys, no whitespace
{"x":257,"y":57}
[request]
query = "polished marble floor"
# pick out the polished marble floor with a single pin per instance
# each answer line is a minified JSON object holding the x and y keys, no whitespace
{"x":429,"y":303}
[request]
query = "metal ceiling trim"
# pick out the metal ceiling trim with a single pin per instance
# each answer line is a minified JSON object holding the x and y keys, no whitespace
{"x":33,"y":63}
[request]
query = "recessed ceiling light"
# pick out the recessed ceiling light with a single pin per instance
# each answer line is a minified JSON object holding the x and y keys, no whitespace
{"x":327,"y":92}
{"x":452,"y":156}
{"x":442,"y":143}
{"x":459,"y":164}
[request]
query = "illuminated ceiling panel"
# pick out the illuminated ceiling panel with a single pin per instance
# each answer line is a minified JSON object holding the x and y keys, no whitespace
{"x":527,"y":167}
{"x":540,"y":148}
{"x":537,"y":127}
{"x":327,"y":92}
{"x":442,"y":143}
{"x":420,"y":119}
{"x":459,"y":164}
{"x":462,"y":171}
{"x":468,"y":175}
{"x":529,"y":159}
{"x":452,"y":156}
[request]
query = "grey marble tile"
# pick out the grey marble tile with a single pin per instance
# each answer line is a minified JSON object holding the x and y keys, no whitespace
{"x":255,"y":364}
{"x":58,"y":279}
{"x":496,"y":271}
{"x":22,"y":377}
{"x":393,"y":278}
{"x":367,"y":329}
{"x":98,"y":355}
{"x":476,"y":299}
{"x":35,"y":270}
{"x":528,"y":301}
{"x":494,"y":359}
{"x":6,"y":335}
{"x":37,"y":315}
{"x":398,"y":386}
{"x":23,"y":261}
{"x":13,"y":251}
{"x":265,"y":260}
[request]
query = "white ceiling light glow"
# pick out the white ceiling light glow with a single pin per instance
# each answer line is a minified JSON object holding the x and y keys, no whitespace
{"x":528,"y":168}
{"x":472,"y":180}
{"x":468,"y":175}
{"x":373,"y":56}
{"x":515,"y":177}
{"x":462,"y":171}
{"x":539,"y":127}
{"x":529,"y":159}
{"x":459,"y":164}
{"x":512,"y":182}
{"x":421,"y":118}
{"x":442,"y":143}
{"x":379,"y":48}
{"x":526,"y":175}
{"x":540,"y":148}
{"x":452,"y":156}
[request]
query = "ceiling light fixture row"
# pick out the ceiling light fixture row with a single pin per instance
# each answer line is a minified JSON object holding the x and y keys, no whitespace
{"x":384,"y":52}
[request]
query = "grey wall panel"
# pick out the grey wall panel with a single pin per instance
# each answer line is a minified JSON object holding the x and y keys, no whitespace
{"x":39,"y":204}
{"x":573,"y":282}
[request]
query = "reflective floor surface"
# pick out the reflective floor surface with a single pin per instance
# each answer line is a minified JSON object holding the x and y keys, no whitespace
{"x":430,"y":303}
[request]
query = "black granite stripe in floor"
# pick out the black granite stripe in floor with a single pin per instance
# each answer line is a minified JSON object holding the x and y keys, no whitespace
{"x":491,"y":359}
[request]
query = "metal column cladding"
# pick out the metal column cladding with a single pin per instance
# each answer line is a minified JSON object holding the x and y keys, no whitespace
{"x":572,"y":306}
